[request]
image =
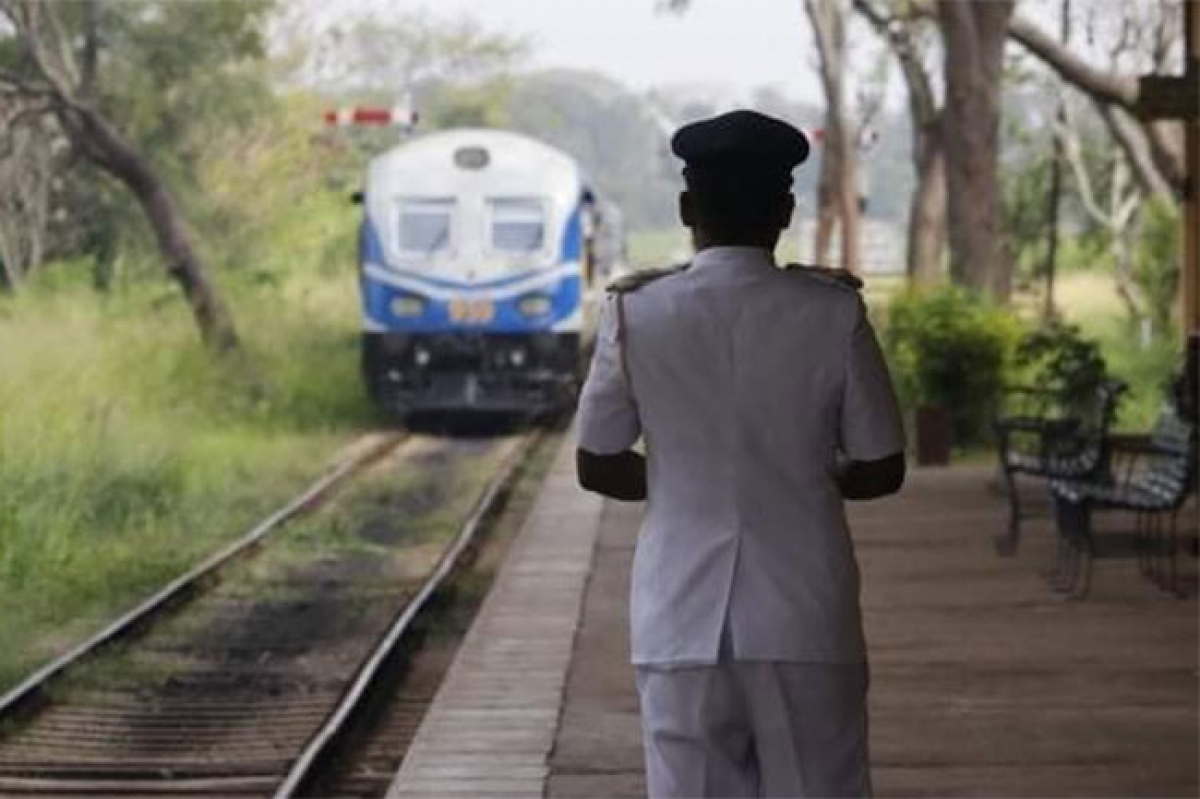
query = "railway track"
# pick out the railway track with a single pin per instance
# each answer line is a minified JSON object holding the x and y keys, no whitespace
{"x":249,"y":688}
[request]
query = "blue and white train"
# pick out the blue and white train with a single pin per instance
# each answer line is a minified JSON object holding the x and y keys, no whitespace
{"x":481,"y":254}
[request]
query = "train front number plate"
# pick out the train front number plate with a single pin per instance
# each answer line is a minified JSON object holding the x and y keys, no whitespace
{"x":476,"y":312}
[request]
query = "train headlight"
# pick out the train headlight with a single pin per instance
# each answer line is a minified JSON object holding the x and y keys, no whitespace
{"x":535,"y":305}
{"x":408,"y":306}
{"x":517,"y":357}
{"x":421,"y":356}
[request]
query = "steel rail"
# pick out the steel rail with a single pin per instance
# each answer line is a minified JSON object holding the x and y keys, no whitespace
{"x":35,"y":683}
{"x":323,"y":742}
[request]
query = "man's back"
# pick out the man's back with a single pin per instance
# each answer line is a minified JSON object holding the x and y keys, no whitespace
{"x":747,"y":382}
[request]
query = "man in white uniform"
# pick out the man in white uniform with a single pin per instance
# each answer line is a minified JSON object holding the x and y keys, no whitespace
{"x":764,"y":402}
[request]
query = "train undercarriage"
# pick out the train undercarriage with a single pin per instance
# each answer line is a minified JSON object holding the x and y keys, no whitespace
{"x":472,"y":373}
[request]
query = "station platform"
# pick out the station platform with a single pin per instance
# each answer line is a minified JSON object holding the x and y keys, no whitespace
{"x":984,"y":682}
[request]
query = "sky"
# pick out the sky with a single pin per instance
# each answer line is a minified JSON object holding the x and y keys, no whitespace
{"x":717,"y":42}
{"x":731,"y":46}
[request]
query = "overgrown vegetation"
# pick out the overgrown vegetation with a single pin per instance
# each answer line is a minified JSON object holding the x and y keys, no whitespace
{"x":126,"y":451}
{"x":949,"y":348}
{"x":1057,"y":357}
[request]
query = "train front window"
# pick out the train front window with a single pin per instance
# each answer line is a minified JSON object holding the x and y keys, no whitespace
{"x":425,"y":226}
{"x":518,"y":225}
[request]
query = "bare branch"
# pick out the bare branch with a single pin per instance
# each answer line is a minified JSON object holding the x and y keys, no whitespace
{"x":1130,"y":138}
{"x":91,"y":50}
{"x":1124,"y":200}
{"x":60,"y":40}
{"x":26,"y":16}
{"x":19,"y":86}
{"x":898,"y":34}
{"x":1107,"y":87}
{"x":1153,"y":151}
{"x":1068,"y":133}
{"x":1165,"y":138}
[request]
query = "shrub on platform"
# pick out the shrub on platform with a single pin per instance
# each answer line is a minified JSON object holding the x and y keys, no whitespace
{"x":948,"y":348}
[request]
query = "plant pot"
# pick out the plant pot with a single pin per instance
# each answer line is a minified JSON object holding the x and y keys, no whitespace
{"x":935,"y":434}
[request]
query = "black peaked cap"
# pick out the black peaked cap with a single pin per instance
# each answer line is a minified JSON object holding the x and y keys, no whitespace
{"x":738,"y":140}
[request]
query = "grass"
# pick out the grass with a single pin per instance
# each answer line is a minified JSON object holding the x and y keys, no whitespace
{"x":1090,"y":300}
{"x":342,"y":534}
{"x":127,"y":451}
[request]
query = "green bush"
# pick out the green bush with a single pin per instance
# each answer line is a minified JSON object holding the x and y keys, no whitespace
{"x":127,"y":452}
{"x":1057,"y":356}
{"x":949,"y":348}
{"x":1147,"y":368}
{"x":1157,"y":261}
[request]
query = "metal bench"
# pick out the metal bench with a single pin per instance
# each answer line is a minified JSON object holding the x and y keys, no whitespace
{"x":1044,"y":441}
{"x":1154,"y":475}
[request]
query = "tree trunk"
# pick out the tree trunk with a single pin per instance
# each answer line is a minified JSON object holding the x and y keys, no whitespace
{"x":927,"y":205}
{"x":26,"y":172}
{"x":103,"y":145}
{"x":1127,"y":288}
{"x":974,"y":35}
{"x":1135,"y":144}
{"x":837,"y":187}
{"x":927,"y":218}
{"x":1054,"y":200}
{"x":849,"y":206}
{"x":826,"y":210}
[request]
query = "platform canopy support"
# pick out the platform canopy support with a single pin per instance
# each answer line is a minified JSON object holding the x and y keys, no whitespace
{"x":1191,"y":214}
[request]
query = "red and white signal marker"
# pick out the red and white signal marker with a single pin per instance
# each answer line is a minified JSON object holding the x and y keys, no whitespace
{"x":400,"y":116}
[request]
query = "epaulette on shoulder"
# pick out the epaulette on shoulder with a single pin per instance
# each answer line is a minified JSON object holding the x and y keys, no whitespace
{"x":834,"y":277}
{"x":635,"y":280}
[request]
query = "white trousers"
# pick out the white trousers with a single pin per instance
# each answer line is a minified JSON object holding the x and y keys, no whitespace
{"x":739,"y":729}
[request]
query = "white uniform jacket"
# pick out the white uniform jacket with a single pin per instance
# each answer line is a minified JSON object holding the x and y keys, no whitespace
{"x":746,"y":380}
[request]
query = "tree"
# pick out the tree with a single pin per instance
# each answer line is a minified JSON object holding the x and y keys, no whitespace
{"x":1054,"y":196}
{"x":904,"y":35}
{"x":1127,"y":190}
{"x":1154,"y":146}
{"x":974,"y":35}
{"x":57,"y":71}
{"x":381,"y":58}
{"x":27,"y":171}
{"x":837,"y":187}
{"x":614,"y":133}
{"x":1112,"y":206}
{"x":453,"y":72}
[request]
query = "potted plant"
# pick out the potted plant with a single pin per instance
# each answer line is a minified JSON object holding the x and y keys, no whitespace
{"x":947,"y":349}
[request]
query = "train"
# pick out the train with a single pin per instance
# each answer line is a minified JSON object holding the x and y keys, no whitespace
{"x":482,"y":257}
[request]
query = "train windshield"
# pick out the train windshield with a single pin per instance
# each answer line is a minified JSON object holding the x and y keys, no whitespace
{"x":425,"y":225}
{"x":518,"y":224}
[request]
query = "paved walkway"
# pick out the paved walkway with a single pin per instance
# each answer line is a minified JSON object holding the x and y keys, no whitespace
{"x":984,"y":683}
{"x":492,"y":724}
